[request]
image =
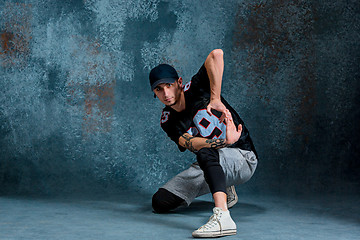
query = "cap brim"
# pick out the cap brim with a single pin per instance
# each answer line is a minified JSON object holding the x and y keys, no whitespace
{"x":163,"y":80}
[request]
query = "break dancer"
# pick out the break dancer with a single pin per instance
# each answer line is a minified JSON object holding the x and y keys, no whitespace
{"x":196,"y":117}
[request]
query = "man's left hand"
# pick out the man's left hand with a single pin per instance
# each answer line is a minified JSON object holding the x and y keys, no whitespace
{"x":233,"y":133}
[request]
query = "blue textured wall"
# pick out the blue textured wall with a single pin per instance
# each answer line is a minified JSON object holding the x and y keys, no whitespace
{"x":77,"y":114}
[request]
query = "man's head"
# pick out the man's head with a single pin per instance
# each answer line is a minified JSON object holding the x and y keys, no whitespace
{"x":166,"y":84}
{"x":162,"y":73}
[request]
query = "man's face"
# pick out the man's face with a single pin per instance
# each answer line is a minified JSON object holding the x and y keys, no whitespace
{"x":169,"y":93}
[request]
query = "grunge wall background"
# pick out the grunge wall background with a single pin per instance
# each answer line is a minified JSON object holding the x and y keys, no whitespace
{"x":77,"y":114}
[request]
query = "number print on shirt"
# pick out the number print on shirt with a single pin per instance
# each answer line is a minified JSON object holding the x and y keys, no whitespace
{"x":209,"y":126}
{"x":165,"y":116}
{"x":193,"y":131}
{"x":187,"y":86}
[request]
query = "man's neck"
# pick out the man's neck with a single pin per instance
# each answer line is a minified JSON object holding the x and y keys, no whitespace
{"x":180,"y":105}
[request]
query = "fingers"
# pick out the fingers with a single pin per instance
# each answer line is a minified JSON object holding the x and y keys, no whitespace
{"x":225,"y":116}
{"x":240,"y":128}
{"x":228,"y":115}
{"x":222,"y":118}
{"x":208,"y":109}
{"x":215,"y":104}
{"x":228,"y":119}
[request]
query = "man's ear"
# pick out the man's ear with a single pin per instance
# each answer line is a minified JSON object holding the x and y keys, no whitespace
{"x":180,"y":81}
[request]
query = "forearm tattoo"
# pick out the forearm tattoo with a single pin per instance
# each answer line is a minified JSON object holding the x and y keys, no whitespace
{"x":188,"y":143}
{"x":216,"y":143}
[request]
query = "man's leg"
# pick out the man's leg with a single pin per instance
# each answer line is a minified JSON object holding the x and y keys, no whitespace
{"x":164,"y":201}
{"x":238,"y":165}
{"x":180,"y":190}
{"x":209,"y":162}
{"x":220,"y":223}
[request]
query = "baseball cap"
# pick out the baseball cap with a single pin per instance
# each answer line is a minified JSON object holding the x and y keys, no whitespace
{"x":162,"y":73}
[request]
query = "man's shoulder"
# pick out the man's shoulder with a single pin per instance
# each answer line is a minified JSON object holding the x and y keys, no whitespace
{"x":200,"y":81}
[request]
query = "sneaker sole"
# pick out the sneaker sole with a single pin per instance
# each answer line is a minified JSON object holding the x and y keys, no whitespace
{"x":214,"y":234}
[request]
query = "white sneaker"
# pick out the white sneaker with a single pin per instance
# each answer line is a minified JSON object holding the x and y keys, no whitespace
{"x":220,"y":224}
{"x":232,"y":197}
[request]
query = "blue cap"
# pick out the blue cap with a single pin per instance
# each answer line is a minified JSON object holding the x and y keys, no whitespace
{"x":163,"y":73}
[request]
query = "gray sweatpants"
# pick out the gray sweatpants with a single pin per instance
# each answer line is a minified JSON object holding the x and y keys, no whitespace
{"x":238,"y":165}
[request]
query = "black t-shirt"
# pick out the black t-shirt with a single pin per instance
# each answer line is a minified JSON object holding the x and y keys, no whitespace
{"x":196,"y":121}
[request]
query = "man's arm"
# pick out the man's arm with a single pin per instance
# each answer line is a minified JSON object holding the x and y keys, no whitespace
{"x":194,"y":144}
{"x":214,"y":65}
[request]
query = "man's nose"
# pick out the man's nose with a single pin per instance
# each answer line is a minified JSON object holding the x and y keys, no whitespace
{"x":166,"y":91}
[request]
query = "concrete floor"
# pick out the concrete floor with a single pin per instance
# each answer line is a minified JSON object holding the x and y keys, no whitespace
{"x":130,"y":217}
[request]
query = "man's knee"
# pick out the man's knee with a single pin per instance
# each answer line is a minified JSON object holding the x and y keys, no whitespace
{"x":163,"y":201}
{"x":209,"y":162}
{"x":207,"y":157}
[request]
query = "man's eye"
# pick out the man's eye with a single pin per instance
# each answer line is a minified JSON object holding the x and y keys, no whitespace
{"x":169,"y":84}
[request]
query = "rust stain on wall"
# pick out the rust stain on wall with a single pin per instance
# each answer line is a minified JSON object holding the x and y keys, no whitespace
{"x":6,"y":43}
{"x":277,"y":38}
{"x":15,"y":34}
{"x":306,"y":90}
{"x":99,"y":102}
{"x":264,"y":34}
{"x":97,"y":88}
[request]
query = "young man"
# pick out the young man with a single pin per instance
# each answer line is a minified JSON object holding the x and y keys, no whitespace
{"x":197,"y":118}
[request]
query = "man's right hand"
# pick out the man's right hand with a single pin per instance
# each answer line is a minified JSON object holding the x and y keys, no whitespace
{"x":232,"y":133}
{"x":217,"y":105}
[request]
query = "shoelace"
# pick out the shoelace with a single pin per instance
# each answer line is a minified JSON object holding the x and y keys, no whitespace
{"x":213,"y":220}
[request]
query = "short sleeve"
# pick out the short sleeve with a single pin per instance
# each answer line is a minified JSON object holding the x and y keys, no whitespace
{"x":173,"y":129}
{"x":201,"y":80}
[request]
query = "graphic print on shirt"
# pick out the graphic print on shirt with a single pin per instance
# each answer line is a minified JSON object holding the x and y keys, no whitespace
{"x":187,"y":86}
{"x":209,"y":126}
{"x":164,"y":116}
{"x":193,"y":131}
